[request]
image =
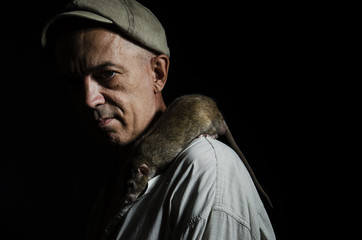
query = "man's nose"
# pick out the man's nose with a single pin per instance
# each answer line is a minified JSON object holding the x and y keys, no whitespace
{"x":92,"y":92}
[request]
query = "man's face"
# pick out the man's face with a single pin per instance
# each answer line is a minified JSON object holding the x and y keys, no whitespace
{"x":109,"y":83}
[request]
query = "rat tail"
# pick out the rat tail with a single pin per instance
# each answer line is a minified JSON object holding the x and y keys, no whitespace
{"x":236,"y":148}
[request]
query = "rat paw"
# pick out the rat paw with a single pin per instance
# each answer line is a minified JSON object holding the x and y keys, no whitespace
{"x":205,"y":135}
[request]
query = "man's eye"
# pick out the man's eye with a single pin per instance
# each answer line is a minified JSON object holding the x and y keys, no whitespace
{"x":106,"y":75}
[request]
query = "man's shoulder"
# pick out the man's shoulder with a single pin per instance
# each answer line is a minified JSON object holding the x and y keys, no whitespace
{"x":218,"y":165}
{"x":209,"y":177}
{"x":209,"y":147}
{"x":210,"y":154}
{"x":213,"y":160}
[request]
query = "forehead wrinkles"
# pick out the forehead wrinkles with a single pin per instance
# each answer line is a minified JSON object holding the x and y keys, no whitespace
{"x":88,"y":48}
{"x":99,"y":47}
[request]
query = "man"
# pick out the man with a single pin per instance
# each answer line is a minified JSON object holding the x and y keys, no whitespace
{"x":114,"y":57}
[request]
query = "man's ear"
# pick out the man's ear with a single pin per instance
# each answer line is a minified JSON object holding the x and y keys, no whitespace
{"x":160,"y":65}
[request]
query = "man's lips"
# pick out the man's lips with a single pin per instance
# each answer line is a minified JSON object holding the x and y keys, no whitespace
{"x":104,"y":121}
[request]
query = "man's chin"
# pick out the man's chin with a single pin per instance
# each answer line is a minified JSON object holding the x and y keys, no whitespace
{"x":108,"y":136}
{"x":112,"y":138}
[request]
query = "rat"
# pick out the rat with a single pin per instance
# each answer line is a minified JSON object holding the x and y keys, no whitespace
{"x":185,"y":119}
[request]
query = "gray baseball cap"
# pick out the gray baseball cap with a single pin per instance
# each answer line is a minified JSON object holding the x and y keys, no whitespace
{"x":133,"y":19}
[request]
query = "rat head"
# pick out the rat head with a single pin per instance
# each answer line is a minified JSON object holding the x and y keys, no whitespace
{"x":138,"y":182}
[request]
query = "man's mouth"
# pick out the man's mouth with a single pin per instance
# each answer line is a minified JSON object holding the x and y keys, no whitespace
{"x":104,"y":121}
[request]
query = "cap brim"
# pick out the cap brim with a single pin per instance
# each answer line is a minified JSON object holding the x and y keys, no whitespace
{"x":81,"y":14}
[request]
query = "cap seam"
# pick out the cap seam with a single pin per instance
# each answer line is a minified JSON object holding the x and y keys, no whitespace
{"x":130,"y":15}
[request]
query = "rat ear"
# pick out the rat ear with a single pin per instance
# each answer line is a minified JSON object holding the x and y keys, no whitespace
{"x":143,"y":170}
{"x":160,"y":65}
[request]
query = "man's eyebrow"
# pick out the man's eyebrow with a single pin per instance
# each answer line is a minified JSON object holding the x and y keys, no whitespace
{"x":94,"y":69}
{"x":105,"y":65}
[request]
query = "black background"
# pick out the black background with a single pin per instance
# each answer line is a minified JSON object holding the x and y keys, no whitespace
{"x":270,"y":66}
